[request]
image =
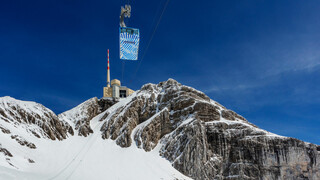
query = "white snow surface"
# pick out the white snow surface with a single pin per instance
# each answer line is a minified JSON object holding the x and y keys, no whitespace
{"x":91,"y":157}
{"x":77,"y":113}
{"x":78,"y":157}
{"x":12,"y":111}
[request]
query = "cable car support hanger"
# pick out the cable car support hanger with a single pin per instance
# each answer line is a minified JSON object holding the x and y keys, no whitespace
{"x":129,"y":37}
{"x":125,"y":12}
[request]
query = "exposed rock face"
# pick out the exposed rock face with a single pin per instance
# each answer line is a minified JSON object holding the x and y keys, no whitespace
{"x":37,"y":119}
{"x":250,"y":153}
{"x":203,"y":139}
{"x":106,"y":103}
{"x":26,"y":125}
{"x":23,"y":142}
{"x":5,"y":151}
{"x":43,"y":123}
{"x":80,"y":116}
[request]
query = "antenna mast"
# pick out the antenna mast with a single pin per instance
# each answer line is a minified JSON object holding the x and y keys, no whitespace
{"x":108,"y":75}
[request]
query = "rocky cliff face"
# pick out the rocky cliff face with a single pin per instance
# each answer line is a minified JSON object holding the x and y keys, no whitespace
{"x":23,"y":122}
{"x":201,"y":138}
{"x":43,"y":123}
{"x":80,"y":116}
{"x":204,"y":140}
{"x":33,"y":117}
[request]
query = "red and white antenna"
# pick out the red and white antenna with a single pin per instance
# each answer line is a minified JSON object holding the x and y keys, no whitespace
{"x":108,"y":75}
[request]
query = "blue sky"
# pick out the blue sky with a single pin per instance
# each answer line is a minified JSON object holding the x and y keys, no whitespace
{"x":260,"y":58}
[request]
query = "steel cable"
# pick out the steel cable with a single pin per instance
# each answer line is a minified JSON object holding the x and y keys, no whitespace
{"x":149,"y":42}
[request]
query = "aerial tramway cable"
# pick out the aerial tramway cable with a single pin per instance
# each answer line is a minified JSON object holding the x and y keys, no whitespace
{"x":150,"y":40}
{"x":122,"y":73}
{"x":130,"y":37}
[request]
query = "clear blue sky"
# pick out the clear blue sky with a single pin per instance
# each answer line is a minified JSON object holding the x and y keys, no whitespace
{"x":260,"y":58}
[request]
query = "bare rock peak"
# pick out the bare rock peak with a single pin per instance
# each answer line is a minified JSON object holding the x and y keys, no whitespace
{"x":201,"y":138}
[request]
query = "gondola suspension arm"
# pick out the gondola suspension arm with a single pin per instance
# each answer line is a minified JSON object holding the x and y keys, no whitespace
{"x":125,"y":13}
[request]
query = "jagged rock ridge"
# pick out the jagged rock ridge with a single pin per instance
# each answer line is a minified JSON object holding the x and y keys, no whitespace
{"x":35,"y":120}
{"x":204,"y":140}
{"x":80,"y":116}
{"x":201,"y":138}
{"x":34,"y":117}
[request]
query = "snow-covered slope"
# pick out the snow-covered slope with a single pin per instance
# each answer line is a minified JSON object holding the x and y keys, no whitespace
{"x":162,"y":131}
{"x":24,"y":125}
{"x":80,"y":116}
{"x":204,"y":140}
{"x":31,"y":117}
{"x":76,"y":157}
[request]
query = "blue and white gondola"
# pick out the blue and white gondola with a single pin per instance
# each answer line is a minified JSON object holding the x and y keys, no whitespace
{"x":129,"y":43}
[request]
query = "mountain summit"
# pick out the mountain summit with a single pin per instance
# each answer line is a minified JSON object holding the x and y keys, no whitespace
{"x":162,"y":131}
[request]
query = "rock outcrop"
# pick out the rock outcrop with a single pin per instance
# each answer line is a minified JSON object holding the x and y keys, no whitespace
{"x":203,"y":139}
{"x":41,"y":122}
{"x":79,"y":117}
{"x":35,"y":118}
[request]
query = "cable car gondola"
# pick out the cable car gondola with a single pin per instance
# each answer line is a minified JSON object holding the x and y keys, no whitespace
{"x":129,"y":37}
